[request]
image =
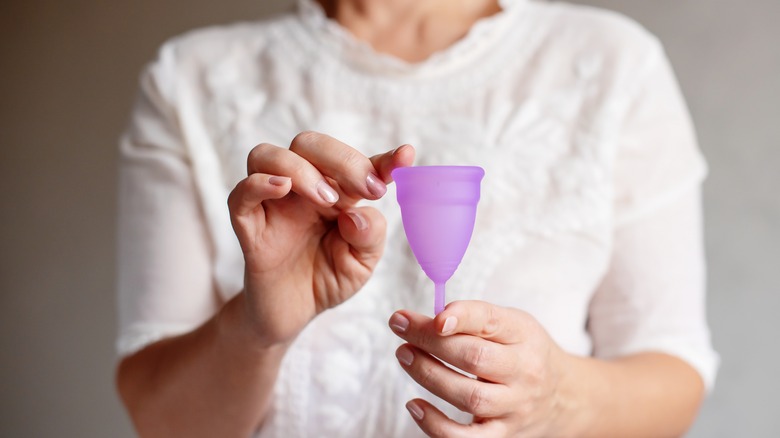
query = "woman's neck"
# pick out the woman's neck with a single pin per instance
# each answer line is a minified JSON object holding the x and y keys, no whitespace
{"x":411,"y":30}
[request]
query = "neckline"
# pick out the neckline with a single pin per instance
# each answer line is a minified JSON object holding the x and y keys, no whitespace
{"x":359,"y":55}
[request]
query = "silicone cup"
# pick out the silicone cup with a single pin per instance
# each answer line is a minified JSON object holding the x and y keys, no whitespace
{"x":438,"y":208}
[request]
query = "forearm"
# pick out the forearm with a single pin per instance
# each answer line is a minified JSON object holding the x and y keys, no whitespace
{"x":213,"y":381}
{"x":648,"y":394}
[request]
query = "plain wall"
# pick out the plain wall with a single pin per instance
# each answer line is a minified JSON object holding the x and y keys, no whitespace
{"x":68,"y":72}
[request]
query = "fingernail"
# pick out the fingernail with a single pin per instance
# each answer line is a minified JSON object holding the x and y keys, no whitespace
{"x":358,"y":219}
{"x":449,"y":325}
{"x":327,"y":193}
{"x":375,"y":186}
{"x":415,"y":410}
{"x":399,"y":323}
{"x":405,"y":356}
{"x":278,"y":180}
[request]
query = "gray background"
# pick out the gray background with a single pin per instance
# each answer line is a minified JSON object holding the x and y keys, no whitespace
{"x":68,"y":73}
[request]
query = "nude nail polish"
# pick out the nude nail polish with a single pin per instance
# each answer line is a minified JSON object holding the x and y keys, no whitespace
{"x":404,"y":356}
{"x":360,"y":222}
{"x":415,"y":410}
{"x":375,"y":186}
{"x":326,"y":192}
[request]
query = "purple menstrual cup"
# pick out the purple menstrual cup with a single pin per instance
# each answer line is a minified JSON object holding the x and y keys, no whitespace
{"x":438,"y":207}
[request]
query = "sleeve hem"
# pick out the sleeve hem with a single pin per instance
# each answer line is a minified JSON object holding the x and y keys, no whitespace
{"x":134,"y":338}
{"x":704,"y":362}
{"x":661,"y":200}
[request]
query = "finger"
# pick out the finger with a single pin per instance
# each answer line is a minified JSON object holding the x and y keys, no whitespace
{"x":356,"y":246}
{"x":307,"y":181}
{"x":479,"y":398}
{"x":402,"y":156}
{"x":486,"y":359}
{"x":363,"y":228}
{"x":251,"y":191}
{"x":245,"y":204}
{"x":435,"y":424}
{"x":485,"y":320}
{"x":352,"y":170}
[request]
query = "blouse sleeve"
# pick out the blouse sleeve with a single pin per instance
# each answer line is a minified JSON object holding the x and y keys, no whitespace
{"x":653,"y":296}
{"x":165,"y":284}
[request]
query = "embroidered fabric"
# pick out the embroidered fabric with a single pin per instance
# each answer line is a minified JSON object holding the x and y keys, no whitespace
{"x":362,"y":54}
{"x":560,"y":104}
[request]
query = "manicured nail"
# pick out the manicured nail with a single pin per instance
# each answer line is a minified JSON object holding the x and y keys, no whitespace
{"x":278,"y":180}
{"x":415,"y":410}
{"x":399,"y":323}
{"x":449,"y":325}
{"x":358,"y":219}
{"x":405,"y":356}
{"x":375,"y":186}
{"x":327,"y":193}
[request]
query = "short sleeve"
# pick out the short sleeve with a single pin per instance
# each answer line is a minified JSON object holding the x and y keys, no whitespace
{"x":658,"y":157}
{"x":653,"y":296}
{"x":165,"y":284}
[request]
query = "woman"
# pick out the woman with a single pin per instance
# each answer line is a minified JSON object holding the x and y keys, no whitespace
{"x":579,"y":305}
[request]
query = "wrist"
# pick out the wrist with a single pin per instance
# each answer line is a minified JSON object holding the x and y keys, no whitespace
{"x":574,"y":414}
{"x":239,"y":330}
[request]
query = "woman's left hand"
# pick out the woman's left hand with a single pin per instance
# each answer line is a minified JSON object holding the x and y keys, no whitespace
{"x":519,"y":370}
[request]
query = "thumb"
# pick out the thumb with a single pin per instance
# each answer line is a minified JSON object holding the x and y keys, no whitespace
{"x":363,"y":228}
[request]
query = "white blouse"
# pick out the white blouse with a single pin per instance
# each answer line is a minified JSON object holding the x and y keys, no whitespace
{"x":589,"y":217}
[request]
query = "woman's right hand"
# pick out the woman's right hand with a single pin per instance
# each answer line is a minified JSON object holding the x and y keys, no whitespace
{"x":306,"y":246}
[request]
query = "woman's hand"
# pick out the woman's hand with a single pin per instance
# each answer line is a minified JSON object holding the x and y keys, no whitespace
{"x":306,"y":246}
{"x":517,"y":365}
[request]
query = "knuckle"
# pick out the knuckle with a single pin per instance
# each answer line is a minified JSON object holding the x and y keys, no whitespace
{"x":514,"y":363}
{"x":537,"y":376}
{"x":254,"y":181}
{"x":251,"y":182}
{"x":350,"y":158}
{"x":524,"y":409}
{"x":477,"y":402}
{"x":257,"y":156}
{"x":476,"y":357}
{"x":238,"y":189}
{"x":232,"y":199}
{"x":535,"y":370}
{"x":491,"y":326}
{"x":303,"y":139}
{"x":427,"y":375}
{"x":259,"y":150}
{"x":457,"y":307}
{"x":525,"y":319}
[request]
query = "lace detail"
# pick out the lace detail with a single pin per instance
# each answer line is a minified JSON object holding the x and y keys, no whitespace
{"x":480,"y":36}
{"x":382,"y":82}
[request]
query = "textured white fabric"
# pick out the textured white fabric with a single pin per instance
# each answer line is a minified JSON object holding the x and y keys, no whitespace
{"x":589,"y":217}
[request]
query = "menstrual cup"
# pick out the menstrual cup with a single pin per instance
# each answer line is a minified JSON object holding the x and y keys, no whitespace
{"x":438,"y":208}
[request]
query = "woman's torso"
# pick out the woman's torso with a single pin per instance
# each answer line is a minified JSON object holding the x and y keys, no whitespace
{"x":533,"y":95}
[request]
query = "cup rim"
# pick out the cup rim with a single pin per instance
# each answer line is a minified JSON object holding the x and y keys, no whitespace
{"x":440,"y":171}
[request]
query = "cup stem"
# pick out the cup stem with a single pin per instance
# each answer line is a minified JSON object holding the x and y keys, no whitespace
{"x":438,"y":302}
